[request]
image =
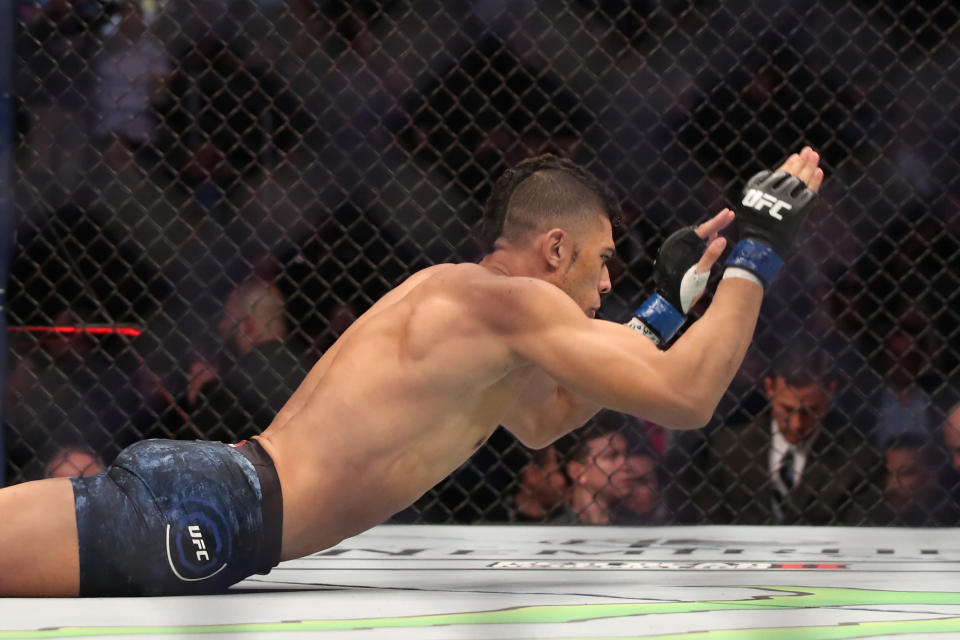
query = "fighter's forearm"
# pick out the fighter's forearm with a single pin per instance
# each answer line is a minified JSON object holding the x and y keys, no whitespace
{"x":771,"y":213}
{"x":712,"y":349}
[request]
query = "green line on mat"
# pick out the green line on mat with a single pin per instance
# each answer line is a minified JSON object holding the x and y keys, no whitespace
{"x":776,"y":598}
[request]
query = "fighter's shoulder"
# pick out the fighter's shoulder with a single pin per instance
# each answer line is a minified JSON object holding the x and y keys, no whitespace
{"x":481,"y":290}
{"x":509,"y":301}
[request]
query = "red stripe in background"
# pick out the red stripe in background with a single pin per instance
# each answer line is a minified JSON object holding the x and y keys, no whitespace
{"x":88,"y":329}
{"x":94,"y":329}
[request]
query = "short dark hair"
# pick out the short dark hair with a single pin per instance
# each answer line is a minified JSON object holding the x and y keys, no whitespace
{"x":929,"y":453}
{"x":575,"y":446}
{"x":543,"y":189}
{"x":803,"y":364}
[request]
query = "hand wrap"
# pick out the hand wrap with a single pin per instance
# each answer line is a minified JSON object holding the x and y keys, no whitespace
{"x":678,"y":285}
{"x":773,"y":208}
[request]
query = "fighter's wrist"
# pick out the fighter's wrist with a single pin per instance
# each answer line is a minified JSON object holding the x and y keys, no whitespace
{"x":657,"y":319}
{"x":743,"y":274}
{"x":756,"y":258}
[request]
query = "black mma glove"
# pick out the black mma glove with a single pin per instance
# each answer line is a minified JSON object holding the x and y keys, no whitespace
{"x":677,"y":286}
{"x":773,"y":208}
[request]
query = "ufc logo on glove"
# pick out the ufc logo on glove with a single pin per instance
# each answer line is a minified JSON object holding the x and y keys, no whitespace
{"x":756,"y":199}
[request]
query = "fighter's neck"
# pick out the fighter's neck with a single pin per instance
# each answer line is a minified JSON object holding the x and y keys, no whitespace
{"x":510,"y":262}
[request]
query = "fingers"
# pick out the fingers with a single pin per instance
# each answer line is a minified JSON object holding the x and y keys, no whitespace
{"x":810,"y":160}
{"x":711,"y":255}
{"x":791,"y":165}
{"x":715,"y":244}
{"x":815,"y":180}
{"x":805,"y":166}
{"x":709,"y":229}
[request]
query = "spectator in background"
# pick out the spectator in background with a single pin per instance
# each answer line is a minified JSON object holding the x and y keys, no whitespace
{"x":950,"y":443}
{"x":793,"y":464}
{"x":643,"y":505}
{"x":903,"y":403}
{"x":599,"y":476}
{"x":951,"y":436}
{"x":71,"y":462}
{"x":238,"y":396}
{"x":130,"y":70}
{"x":597,"y":462}
{"x":912,"y":495}
{"x":63,"y":405}
{"x":53,"y":49}
{"x":542,"y":494}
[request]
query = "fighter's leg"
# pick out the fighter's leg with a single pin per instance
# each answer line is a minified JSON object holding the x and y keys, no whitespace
{"x":39,"y":553}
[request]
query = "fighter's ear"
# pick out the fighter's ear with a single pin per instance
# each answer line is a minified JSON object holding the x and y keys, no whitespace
{"x":555,"y":246}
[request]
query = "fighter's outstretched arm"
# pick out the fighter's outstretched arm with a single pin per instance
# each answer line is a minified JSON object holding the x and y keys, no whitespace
{"x":704,"y":361}
{"x":616,"y":367}
{"x":566,"y":410}
{"x":546,"y":407}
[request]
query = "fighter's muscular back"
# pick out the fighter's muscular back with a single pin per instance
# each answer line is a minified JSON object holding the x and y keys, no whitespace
{"x":402,"y":399}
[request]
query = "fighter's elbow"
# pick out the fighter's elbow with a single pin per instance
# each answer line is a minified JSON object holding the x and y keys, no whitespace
{"x":534,"y":441}
{"x":701,"y":416}
{"x":688,"y":422}
{"x":691,"y":414}
{"x":530,"y":431}
{"x":539,"y":443}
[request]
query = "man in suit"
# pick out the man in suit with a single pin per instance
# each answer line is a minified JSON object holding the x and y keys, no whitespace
{"x":795,"y":463}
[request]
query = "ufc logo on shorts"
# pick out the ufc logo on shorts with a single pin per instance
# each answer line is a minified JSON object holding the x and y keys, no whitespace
{"x":756,"y":199}
{"x":197,"y":538}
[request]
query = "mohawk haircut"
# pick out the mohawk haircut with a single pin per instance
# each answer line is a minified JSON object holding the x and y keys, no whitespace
{"x":543,"y":192}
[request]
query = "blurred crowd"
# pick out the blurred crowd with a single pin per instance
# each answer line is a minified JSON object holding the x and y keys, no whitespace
{"x":239,"y":180}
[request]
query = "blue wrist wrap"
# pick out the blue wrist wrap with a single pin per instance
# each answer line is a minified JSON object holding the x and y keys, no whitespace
{"x":757,"y":258}
{"x":660,"y":316}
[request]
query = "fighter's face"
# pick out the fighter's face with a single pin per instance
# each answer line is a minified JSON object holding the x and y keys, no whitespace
{"x":797,"y":410}
{"x":586,"y":276}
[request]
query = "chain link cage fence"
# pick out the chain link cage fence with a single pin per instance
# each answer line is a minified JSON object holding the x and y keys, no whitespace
{"x":208,"y":192}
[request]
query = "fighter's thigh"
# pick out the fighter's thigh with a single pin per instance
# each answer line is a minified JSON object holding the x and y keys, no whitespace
{"x":39,"y":553}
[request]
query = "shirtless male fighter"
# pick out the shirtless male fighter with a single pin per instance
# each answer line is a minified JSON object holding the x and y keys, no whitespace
{"x":413,"y":387}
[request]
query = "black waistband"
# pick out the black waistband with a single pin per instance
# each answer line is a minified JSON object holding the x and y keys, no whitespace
{"x":272,"y":505}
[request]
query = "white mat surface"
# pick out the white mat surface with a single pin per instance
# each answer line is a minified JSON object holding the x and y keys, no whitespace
{"x":433,"y":582}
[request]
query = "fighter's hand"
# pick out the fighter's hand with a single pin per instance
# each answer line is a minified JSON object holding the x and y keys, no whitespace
{"x":680,"y":275}
{"x":709,"y":232}
{"x":771,"y":214}
{"x":804,"y":165}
